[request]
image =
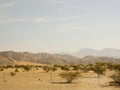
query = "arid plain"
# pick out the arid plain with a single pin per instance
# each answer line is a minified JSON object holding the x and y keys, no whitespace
{"x":41,"y":80}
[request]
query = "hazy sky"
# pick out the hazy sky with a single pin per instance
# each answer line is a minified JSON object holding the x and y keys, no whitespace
{"x":59,"y":25}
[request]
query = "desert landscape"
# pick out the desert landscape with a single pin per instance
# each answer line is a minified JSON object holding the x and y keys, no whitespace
{"x":59,"y":44}
{"x":36,"y":78}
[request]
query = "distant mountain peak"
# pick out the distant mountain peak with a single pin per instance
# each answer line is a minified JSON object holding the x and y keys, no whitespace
{"x":86,"y":49}
{"x":109,"y":52}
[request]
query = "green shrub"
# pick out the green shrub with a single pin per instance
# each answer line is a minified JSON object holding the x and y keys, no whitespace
{"x":87,"y":68}
{"x":66,"y":68}
{"x":69,"y":76}
{"x":99,"y":68}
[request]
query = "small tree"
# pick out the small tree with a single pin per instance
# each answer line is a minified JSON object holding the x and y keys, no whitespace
{"x":99,"y":69}
{"x":69,"y":76}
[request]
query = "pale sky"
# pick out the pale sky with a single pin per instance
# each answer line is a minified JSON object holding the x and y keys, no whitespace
{"x":59,"y":25}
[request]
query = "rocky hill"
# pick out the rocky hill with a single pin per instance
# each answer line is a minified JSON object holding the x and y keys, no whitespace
{"x":10,"y":57}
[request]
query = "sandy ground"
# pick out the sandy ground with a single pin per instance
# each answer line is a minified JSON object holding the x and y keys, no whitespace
{"x":40,"y":80}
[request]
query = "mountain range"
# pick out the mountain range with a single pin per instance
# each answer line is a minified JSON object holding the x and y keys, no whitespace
{"x":107,"y":52}
{"x":11,"y":57}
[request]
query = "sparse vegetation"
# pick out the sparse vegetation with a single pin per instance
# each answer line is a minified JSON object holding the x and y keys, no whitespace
{"x":9,"y":66}
{"x":47,"y":68}
{"x":16,"y":70}
{"x":76,"y":67}
{"x":69,"y":76}
{"x":69,"y":73}
{"x":12,"y":73}
{"x":110,"y":66}
{"x":86,"y":68}
{"x":65,"y":68}
{"x":116,"y":79}
{"x":27,"y":68}
{"x":116,"y":76}
{"x":99,"y":68}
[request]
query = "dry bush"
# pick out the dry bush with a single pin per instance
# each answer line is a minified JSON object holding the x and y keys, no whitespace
{"x":75,"y":67}
{"x":47,"y":68}
{"x":116,"y":76}
{"x":65,"y":68}
{"x":27,"y":68}
{"x":1,"y":69}
{"x":116,"y":79}
{"x":16,"y":70}
{"x":12,"y":73}
{"x":69,"y":76}
{"x":99,"y":69}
